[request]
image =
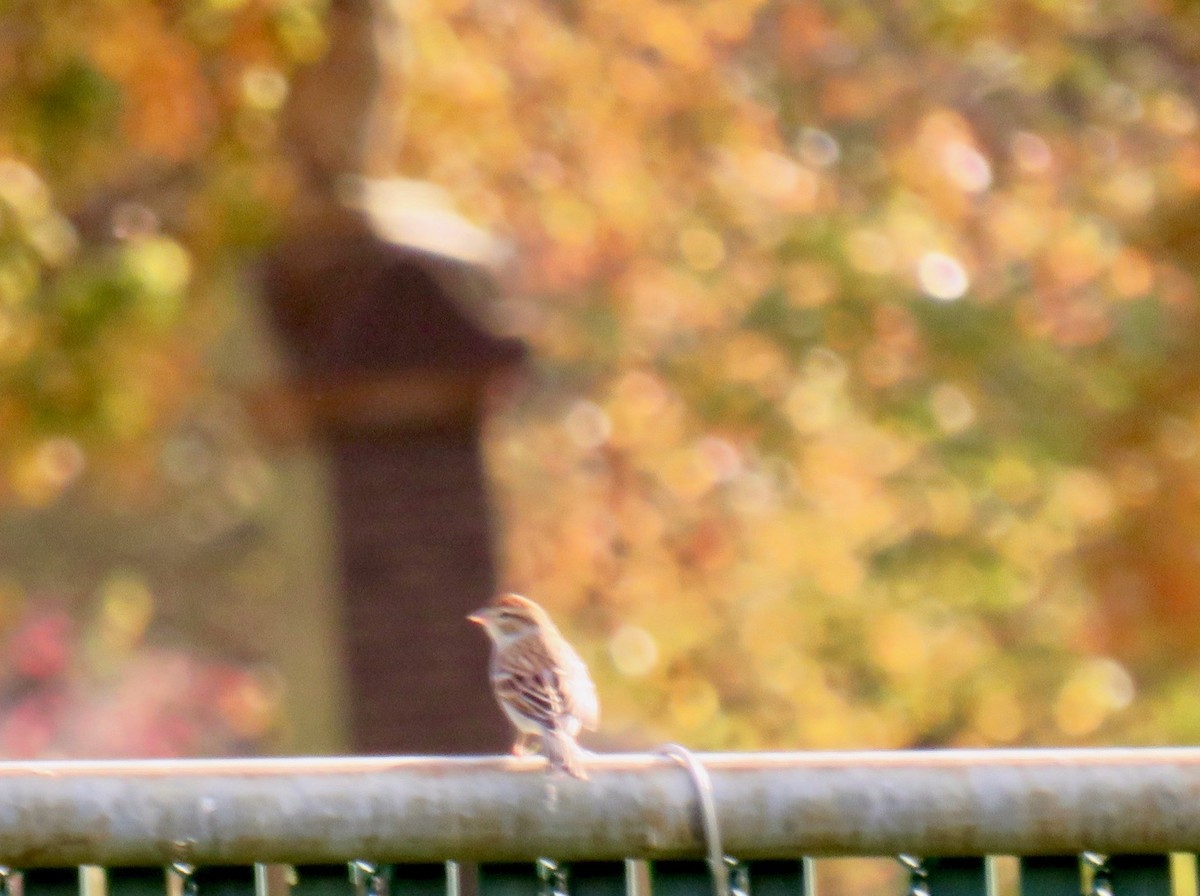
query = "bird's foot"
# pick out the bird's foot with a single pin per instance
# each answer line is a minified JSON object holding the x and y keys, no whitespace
{"x":523,"y":746}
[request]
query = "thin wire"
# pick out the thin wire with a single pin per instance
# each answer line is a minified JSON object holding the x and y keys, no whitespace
{"x":918,"y":875}
{"x":552,"y":877}
{"x":708,"y":813}
{"x":1097,"y":863}
{"x":367,"y":878}
{"x":185,"y":873}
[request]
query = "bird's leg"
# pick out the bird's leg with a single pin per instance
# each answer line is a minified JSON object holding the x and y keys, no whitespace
{"x":522,"y":745}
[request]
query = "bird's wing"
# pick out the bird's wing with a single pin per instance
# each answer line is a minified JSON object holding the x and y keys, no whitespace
{"x":527,"y":678}
{"x":548,"y":683}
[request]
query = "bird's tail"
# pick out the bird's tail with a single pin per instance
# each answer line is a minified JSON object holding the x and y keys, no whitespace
{"x":564,"y":754}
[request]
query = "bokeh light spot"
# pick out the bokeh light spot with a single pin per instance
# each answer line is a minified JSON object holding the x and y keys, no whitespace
{"x":966,"y":167}
{"x":134,"y":220}
{"x":61,"y":461}
{"x":126,"y":608}
{"x":587,"y":425}
{"x":55,"y":239}
{"x":264,"y":88}
{"x":250,"y":701}
{"x":720,"y":458}
{"x":1132,"y":274}
{"x":1178,"y":437}
{"x":818,"y":148}
{"x":1175,"y":113}
{"x":1133,"y":192}
{"x":951,"y":408}
{"x":634,"y":651}
{"x":1087,"y":496}
{"x":942,"y":276}
{"x":1031,"y":153}
{"x":825,"y":365}
{"x":22,"y":189}
{"x":162,"y":265}
{"x":1097,"y":688}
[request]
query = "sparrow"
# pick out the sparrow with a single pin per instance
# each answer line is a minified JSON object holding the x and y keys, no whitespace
{"x":539,"y":681}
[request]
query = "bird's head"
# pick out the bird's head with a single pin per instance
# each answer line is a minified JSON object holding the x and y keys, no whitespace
{"x":509,"y":617}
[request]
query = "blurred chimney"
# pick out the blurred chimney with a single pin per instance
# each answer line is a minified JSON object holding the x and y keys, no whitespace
{"x":377,"y":293}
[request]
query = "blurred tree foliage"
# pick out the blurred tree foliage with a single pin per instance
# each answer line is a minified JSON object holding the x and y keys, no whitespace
{"x":137,"y":166}
{"x":868,"y":403}
{"x":139,"y":171}
{"x":869,"y":330}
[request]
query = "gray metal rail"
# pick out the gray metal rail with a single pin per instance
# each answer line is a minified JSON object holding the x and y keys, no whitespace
{"x":405,"y":809}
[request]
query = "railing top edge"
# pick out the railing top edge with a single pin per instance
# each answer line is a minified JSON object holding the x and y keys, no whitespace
{"x":625,"y":762}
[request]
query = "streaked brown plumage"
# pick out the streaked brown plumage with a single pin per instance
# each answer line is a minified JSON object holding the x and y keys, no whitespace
{"x":539,"y":680}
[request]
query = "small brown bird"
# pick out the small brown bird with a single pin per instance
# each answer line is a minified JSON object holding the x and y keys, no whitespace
{"x":539,"y":680}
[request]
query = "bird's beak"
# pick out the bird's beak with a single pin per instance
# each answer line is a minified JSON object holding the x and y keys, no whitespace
{"x":478,"y":617}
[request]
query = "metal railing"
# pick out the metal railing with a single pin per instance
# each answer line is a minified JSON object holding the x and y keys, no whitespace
{"x":1098,"y":821}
